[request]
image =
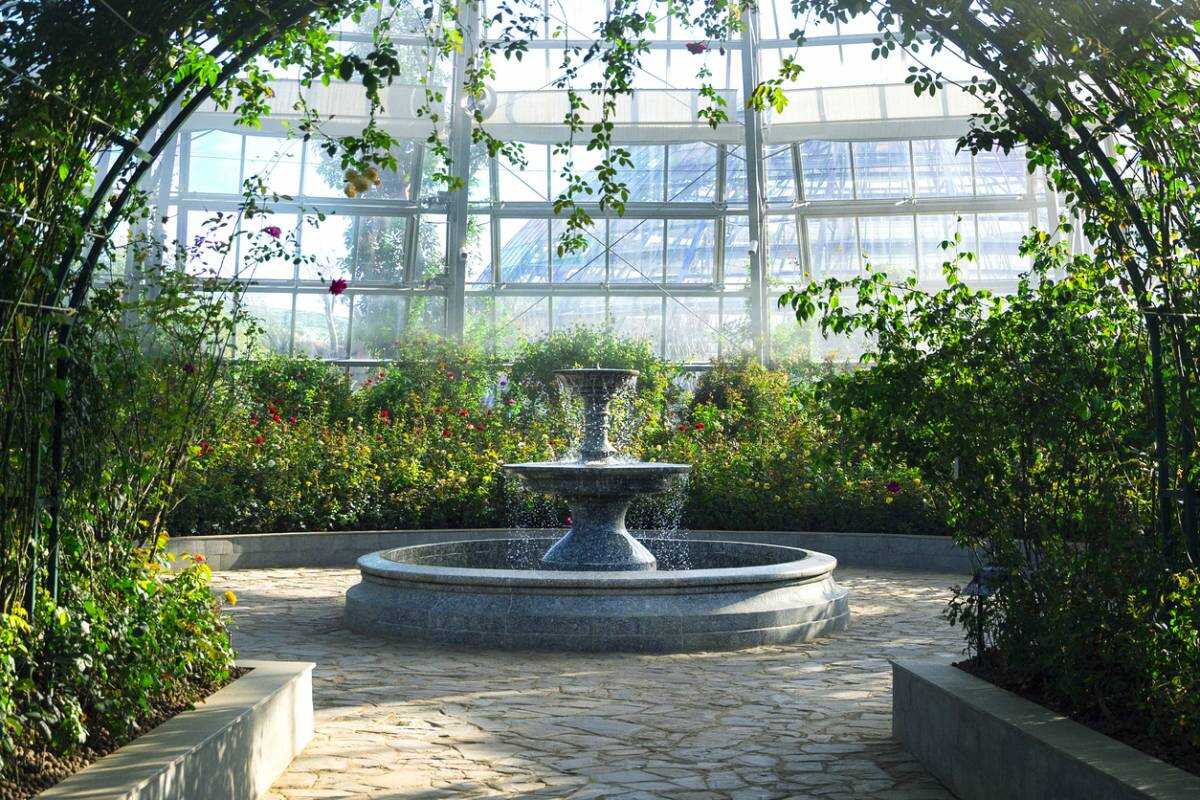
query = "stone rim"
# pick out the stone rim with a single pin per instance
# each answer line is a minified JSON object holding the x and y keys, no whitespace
{"x":797,"y":566}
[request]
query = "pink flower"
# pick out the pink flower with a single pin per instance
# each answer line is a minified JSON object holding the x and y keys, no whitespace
{"x":337,"y":286}
{"x":291,"y":420}
{"x":892,"y":487}
{"x":568,"y":519}
{"x":273,"y":231}
{"x":696,"y":48}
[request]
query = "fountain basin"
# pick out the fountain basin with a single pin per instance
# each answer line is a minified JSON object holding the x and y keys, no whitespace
{"x":492,"y":593}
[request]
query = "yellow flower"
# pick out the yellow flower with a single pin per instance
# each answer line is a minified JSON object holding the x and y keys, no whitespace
{"x":230,"y":597}
{"x":888,"y":499}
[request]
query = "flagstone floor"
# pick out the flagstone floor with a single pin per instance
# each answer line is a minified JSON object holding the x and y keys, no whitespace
{"x":396,"y":721}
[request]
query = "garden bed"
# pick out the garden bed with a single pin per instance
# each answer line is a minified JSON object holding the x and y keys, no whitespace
{"x":984,"y":742}
{"x":230,"y":745}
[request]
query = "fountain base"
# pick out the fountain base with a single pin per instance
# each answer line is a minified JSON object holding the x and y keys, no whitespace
{"x":705,"y":595}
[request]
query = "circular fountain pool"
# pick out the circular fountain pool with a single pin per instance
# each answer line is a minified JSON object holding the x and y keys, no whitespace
{"x":598,"y":588}
{"x":704,"y":595}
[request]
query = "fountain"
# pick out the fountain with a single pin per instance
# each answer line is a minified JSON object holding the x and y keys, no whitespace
{"x":598,"y":588}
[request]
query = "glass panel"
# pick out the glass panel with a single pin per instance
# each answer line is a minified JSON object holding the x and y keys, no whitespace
{"x":215,"y":162}
{"x":574,"y":312}
{"x":881,"y":169}
{"x":636,"y":250}
{"x":520,"y":319}
{"x":941,"y":172}
{"x":826,"y":170}
{"x":997,"y":173}
{"x":322,"y":175}
{"x":381,"y":243}
{"x":638,"y":318}
{"x":584,"y":266}
{"x":645,"y":179}
{"x":692,"y":173}
{"x":211,"y":243}
{"x":276,"y":160}
{"x":889,"y":244}
{"x":737,"y":251}
{"x":321,"y":321}
{"x":478,"y":245}
{"x":273,"y":311}
{"x":530,"y":182}
{"x":524,"y":250}
{"x":691,"y":245}
{"x":933,"y":230}
{"x":426,"y":314}
{"x":999,"y":240}
{"x":833,"y":247}
{"x":692,"y":323}
{"x":330,"y":245}
{"x":781,"y":179}
{"x":431,"y":249}
{"x":735,"y":325}
{"x":378,"y":322}
{"x":735,"y":176}
{"x":263,"y":257}
{"x":783,"y":253}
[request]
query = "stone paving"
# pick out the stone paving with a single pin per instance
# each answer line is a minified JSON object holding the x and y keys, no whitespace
{"x":396,"y":721}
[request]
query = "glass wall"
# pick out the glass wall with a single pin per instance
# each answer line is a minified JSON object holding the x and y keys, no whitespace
{"x":852,"y":174}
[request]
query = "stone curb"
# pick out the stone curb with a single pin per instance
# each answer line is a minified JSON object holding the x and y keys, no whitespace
{"x":343,"y":548}
{"x":231,"y":746}
{"x":985,"y":743}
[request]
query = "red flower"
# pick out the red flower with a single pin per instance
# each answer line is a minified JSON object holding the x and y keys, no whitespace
{"x":462,"y":412}
{"x":699,"y":426}
{"x":199,"y":558}
{"x":292,"y":420}
{"x":259,"y":439}
{"x":276,"y":418}
{"x":273,"y":231}
{"x":445,"y":433}
{"x":189,"y":368}
{"x":205,"y":448}
{"x":385,"y":415}
{"x":682,"y":427}
{"x":696,"y":48}
{"x":337,"y":286}
{"x":892,"y":487}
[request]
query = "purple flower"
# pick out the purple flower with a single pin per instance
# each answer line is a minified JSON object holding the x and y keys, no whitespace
{"x":892,"y":487}
{"x":274,"y":231}
{"x":696,"y":48}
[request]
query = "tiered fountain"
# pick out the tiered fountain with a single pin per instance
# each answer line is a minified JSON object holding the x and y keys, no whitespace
{"x":598,"y":588}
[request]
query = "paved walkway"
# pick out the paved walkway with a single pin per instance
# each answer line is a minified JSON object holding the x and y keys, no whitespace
{"x":406,"y":722}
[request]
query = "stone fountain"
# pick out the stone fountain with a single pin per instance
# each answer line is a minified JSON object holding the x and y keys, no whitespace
{"x":598,"y":588}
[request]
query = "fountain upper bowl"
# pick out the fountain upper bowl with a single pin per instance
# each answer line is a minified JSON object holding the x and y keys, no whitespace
{"x":599,"y":478}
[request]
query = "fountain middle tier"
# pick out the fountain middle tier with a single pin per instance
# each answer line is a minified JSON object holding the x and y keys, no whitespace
{"x":599,"y":495}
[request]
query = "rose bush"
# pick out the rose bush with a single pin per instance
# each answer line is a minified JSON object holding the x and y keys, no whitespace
{"x":420,"y":443}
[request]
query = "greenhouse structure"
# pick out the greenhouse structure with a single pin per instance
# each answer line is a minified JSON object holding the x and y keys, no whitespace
{"x":588,"y":399}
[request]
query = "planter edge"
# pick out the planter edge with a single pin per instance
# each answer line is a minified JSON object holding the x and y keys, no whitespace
{"x":985,"y":743}
{"x":231,"y":746}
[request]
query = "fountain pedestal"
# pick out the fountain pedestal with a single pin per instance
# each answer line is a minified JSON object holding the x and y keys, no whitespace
{"x":597,"y":486}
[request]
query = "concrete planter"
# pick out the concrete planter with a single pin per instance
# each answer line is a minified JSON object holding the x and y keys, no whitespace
{"x":985,"y":743}
{"x":232,"y":746}
{"x":342,"y":548}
